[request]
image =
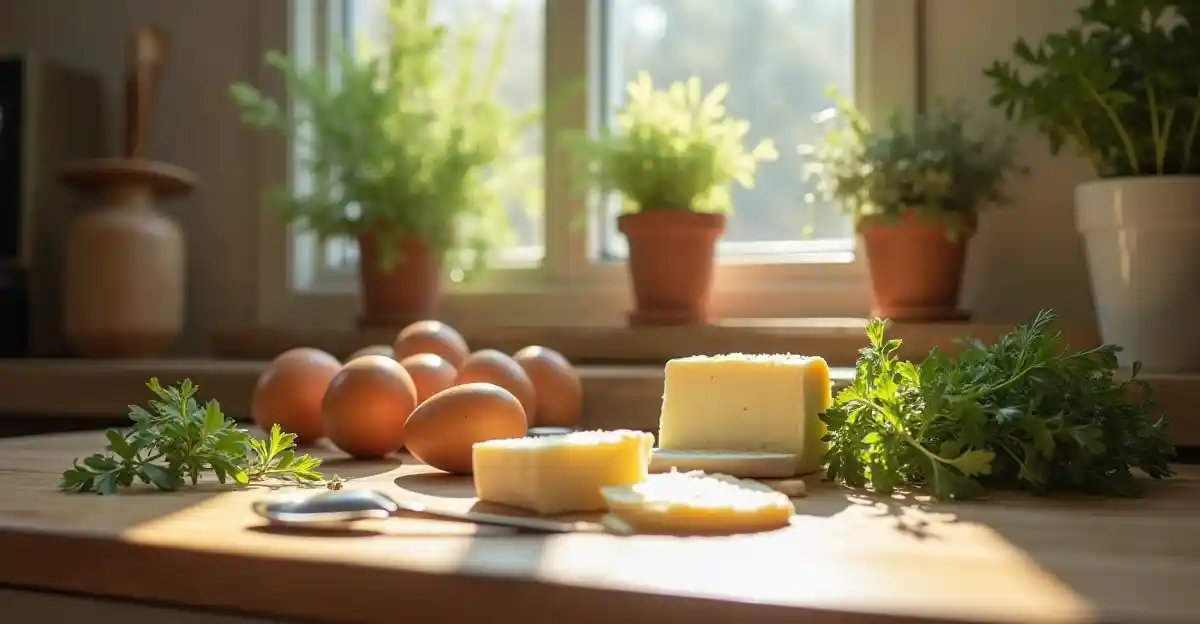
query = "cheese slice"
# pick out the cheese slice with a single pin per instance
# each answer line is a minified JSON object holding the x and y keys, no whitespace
{"x":740,"y":402}
{"x":733,"y":463}
{"x":559,"y":473}
{"x":696,"y":503}
{"x":793,"y":488}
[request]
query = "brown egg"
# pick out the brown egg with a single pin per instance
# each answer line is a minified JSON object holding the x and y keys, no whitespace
{"x":366,"y":406}
{"x":443,"y":429}
{"x":290,"y":390}
{"x":433,"y":337}
{"x":430,"y":373}
{"x":556,"y":386}
{"x":492,"y":366}
{"x":384,"y":350}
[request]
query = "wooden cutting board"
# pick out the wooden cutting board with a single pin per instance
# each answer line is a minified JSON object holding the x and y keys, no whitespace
{"x":847,"y":557}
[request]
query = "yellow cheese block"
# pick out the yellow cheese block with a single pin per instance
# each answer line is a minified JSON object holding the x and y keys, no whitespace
{"x":559,"y":473}
{"x":696,"y":503}
{"x":739,"y":402}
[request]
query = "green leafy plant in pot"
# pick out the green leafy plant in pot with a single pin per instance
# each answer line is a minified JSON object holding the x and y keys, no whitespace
{"x":410,"y":152}
{"x":673,"y":157}
{"x":1122,"y":89}
{"x":914,"y":187}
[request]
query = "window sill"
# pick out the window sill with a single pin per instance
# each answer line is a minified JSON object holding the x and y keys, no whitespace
{"x":614,"y":396}
{"x":601,"y":296}
{"x":836,"y":339}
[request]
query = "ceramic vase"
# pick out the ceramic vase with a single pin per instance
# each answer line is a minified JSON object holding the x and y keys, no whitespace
{"x":1142,"y":240}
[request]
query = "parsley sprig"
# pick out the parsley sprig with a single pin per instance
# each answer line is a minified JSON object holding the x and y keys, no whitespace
{"x":177,"y":440}
{"x":1026,"y":412}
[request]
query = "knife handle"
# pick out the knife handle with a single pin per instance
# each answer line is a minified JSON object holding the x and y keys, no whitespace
{"x":537,"y":525}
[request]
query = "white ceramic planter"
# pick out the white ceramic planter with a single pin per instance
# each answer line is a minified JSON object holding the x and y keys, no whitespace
{"x":1142,"y":236}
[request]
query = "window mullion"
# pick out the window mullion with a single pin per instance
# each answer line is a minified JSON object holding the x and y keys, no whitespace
{"x":886,"y":57}
{"x":307,"y":39}
{"x":567,"y":86}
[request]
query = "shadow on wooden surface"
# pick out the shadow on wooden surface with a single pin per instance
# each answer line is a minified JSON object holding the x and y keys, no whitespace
{"x":15,"y":425}
{"x":438,"y":484}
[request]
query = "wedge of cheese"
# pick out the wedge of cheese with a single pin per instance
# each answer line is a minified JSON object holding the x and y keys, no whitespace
{"x":739,"y":402}
{"x":559,"y":473}
{"x":696,"y":503}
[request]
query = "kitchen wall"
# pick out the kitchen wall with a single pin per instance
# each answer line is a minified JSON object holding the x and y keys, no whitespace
{"x":195,"y":125}
{"x":1027,"y":256}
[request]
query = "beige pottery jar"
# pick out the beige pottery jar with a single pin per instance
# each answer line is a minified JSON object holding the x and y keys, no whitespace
{"x":124,"y":279}
{"x":125,"y":271}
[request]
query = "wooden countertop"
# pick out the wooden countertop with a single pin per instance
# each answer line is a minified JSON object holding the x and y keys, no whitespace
{"x":847,"y":557}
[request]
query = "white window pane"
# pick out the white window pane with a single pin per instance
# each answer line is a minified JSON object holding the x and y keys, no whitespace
{"x":520,"y":86}
{"x":779,"y":57}
{"x":341,"y":254}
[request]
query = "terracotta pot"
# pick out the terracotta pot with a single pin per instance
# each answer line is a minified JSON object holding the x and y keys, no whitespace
{"x":916,"y":270}
{"x":671,"y":258}
{"x":409,"y":291}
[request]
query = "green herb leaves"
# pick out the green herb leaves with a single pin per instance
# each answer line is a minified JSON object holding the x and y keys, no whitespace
{"x":176,"y":440}
{"x":1120,"y":87}
{"x":274,"y":458}
{"x":932,"y":164}
{"x":1026,"y":412}
{"x":404,"y":143}
{"x":673,"y":149}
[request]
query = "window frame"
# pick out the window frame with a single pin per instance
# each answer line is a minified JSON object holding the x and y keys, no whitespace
{"x":568,"y":288}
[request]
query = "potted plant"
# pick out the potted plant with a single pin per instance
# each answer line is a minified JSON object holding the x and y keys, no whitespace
{"x":914,"y":188}
{"x":1122,"y":89}
{"x":672,"y":156}
{"x":408,"y":156}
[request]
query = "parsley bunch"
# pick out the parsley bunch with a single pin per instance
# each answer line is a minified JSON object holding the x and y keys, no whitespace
{"x":177,"y":440}
{"x":1026,"y":412}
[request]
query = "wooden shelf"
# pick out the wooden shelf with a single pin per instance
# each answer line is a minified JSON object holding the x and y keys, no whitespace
{"x":837,"y":340}
{"x":614,"y":396}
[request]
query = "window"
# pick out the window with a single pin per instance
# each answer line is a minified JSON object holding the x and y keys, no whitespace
{"x":778,"y":56}
{"x":779,"y":256}
{"x":334,"y":266}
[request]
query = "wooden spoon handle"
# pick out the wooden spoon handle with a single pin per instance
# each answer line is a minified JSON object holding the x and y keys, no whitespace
{"x":146,"y":57}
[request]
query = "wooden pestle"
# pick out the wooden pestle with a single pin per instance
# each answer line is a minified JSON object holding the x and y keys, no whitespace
{"x":146,"y":57}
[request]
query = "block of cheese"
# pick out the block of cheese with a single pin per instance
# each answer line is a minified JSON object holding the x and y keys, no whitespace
{"x":696,"y":503}
{"x":740,"y":402}
{"x":559,"y":473}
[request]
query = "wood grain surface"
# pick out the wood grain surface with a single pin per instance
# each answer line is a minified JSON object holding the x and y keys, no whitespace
{"x":846,"y":558}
